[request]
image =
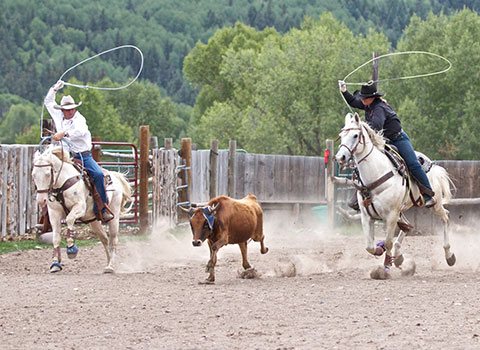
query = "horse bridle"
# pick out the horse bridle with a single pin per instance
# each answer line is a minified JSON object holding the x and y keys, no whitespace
{"x":50,"y":186}
{"x":66,"y":185}
{"x":361,"y":140}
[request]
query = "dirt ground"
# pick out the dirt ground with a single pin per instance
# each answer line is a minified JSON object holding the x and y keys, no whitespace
{"x":314,"y":292}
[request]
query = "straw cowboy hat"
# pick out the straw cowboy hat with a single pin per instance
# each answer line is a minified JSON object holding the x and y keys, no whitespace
{"x":369,"y":90}
{"x":67,"y":102}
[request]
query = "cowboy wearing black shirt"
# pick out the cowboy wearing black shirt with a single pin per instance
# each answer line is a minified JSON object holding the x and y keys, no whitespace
{"x":381,"y":117}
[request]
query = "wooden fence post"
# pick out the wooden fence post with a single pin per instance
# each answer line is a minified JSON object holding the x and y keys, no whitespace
{"x":213,"y":168}
{"x":97,"y":150}
{"x":232,"y":150}
{"x":168,"y":142}
{"x":143,"y":183}
{"x":185,"y":176}
{"x":330,"y":186}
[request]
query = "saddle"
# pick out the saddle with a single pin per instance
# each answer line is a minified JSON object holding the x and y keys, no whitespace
{"x":399,"y":163}
{"x":88,"y":180}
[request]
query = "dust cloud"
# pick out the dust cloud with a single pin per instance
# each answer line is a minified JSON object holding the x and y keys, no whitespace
{"x":299,"y":245}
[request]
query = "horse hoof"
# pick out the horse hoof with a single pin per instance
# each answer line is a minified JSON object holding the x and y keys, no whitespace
{"x":72,"y":252}
{"x":108,"y":269}
{"x":398,"y":261}
{"x":55,"y":267}
{"x":451,"y":260}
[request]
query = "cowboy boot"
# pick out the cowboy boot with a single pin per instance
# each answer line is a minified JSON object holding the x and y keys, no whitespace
{"x":107,"y":214}
{"x":429,"y":202}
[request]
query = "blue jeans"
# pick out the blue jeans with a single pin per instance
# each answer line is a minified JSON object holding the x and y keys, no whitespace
{"x":96,"y":174}
{"x":405,"y":149}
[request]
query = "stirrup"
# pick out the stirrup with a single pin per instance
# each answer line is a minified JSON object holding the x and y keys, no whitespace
{"x":106,"y":214}
{"x":430,"y":203}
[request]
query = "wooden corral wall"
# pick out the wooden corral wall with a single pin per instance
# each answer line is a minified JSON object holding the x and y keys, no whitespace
{"x":465,"y":176}
{"x":164,"y":181}
{"x":18,"y":208}
{"x":272,"y":178}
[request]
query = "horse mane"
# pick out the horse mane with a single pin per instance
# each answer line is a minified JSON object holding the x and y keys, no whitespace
{"x":376,"y":137}
{"x":61,"y":154}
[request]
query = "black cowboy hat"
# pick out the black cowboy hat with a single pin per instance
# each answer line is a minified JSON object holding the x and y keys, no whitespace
{"x":369,"y":90}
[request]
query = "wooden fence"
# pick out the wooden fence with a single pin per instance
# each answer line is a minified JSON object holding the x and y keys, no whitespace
{"x":18,"y":211}
{"x":164,"y":163}
{"x":276,"y":180}
{"x":272,"y":178}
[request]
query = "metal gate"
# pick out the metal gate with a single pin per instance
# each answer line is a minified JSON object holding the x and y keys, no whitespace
{"x":123,"y":158}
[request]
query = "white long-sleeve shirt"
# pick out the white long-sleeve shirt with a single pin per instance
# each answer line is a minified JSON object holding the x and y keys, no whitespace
{"x":79,"y":135}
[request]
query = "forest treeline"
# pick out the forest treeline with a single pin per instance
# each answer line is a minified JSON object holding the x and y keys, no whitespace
{"x":258,"y":71}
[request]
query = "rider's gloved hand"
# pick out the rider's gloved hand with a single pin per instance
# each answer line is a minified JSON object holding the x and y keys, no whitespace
{"x":58,"y":85}
{"x":342,"y":86}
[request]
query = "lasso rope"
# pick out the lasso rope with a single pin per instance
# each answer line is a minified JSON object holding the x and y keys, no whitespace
{"x":397,"y":78}
{"x":100,"y":54}
{"x":97,"y":87}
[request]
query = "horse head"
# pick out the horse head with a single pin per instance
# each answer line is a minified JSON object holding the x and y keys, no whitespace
{"x":45,"y":165}
{"x":42,"y":175}
{"x":351,"y":138}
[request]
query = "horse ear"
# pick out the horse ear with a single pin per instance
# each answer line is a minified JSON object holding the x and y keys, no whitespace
{"x":357,"y":117}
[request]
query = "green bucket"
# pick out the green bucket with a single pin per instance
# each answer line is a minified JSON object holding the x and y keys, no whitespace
{"x":321,"y":212}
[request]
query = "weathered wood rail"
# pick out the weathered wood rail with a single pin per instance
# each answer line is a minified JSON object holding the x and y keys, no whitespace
{"x":276,"y":180}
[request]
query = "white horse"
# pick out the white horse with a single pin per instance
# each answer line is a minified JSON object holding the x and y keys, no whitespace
{"x":60,"y":186}
{"x":386,"y":193}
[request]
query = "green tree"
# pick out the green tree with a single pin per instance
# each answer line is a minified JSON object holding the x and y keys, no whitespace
{"x":142,"y":103}
{"x":18,"y":120}
{"x":440,"y":112}
{"x":102,"y":118}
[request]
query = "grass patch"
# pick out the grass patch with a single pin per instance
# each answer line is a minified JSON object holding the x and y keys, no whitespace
{"x":21,"y":245}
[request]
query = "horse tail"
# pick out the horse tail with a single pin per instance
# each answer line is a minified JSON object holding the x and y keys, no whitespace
{"x":126,"y":190}
{"x":441,"y":183}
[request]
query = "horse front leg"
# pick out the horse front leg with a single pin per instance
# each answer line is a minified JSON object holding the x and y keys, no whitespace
{"x":401,"y":229}
{"x":76,"y":212}
{"x":55,"y":221}
{"x":369,"y":232}
{"x":390,"y":225}
{"x":397,"y":246}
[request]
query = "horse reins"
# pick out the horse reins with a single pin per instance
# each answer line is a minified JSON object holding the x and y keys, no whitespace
{"x":58,"y":191}
{"x":360,"y":139}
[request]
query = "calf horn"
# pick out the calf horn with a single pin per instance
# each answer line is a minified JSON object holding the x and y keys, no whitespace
{"x":212,"y":208}
{"x":188,"y":210}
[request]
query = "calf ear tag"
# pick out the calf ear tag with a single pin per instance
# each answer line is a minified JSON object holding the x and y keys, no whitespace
{"x":209,"y":217}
